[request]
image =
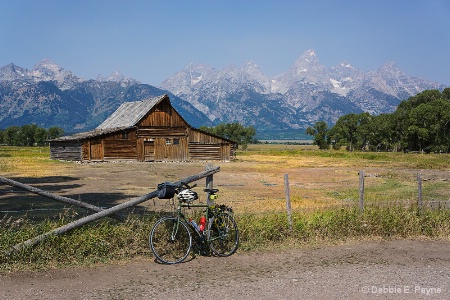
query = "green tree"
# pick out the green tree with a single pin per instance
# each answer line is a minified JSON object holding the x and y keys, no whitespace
{"x":344,"y":132}
{"x":429,"y":123}
{"x":27,"y":134}
{"x":11,"y":135}
{"x":40,"y":136}
{"x":54,"y":132}
{"x":233,"y":131}
{"x":446,"y":94}
{"x":420,"y":123}
{"x":319,"y":131}
{"x":363,"y":130}
{"x":381,"y":135}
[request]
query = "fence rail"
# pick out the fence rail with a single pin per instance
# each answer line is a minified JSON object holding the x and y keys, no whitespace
{"x":208,"y":173}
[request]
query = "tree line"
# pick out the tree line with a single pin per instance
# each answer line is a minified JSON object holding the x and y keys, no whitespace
{"x":233,"y":131}
{"x":29,"y":135}
{"x":420,"y":123}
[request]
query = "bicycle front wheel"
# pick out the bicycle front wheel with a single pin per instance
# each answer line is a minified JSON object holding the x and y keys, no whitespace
{"x":223,"y":234}
{"x":170,"y":240}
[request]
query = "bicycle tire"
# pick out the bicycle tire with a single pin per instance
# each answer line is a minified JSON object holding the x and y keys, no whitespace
{"x":167,"y":248}
{"x":223,"y":234}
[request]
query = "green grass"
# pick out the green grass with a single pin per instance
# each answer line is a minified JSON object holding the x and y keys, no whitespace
{"x":107,"y":241}
{"x":102,"y":241}
{"x":411,"y":160}
{"x":266,"y":231}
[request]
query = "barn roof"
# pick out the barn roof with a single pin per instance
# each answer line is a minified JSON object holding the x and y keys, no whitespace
{"x":88,"y":134}
{"x":126,"y":116}
{"x":130,"y":113}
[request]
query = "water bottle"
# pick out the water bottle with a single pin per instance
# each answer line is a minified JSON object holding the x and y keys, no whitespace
{"x":194,"y":224}
{"x":202,"y":223}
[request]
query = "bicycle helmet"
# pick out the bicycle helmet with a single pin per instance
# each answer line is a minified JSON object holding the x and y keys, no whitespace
{"x":187,"y":196}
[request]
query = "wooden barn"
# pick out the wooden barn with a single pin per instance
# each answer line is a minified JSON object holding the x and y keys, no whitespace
{"x":148,"y":130}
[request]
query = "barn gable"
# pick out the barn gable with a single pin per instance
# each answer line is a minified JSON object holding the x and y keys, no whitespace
{"x":147,"y":130}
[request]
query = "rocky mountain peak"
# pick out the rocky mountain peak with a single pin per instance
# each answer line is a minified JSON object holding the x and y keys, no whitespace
{"x":12,"y":72}
{"x":47,"y":70}
{"x":390,"y":69}
{"x":116,"y":76}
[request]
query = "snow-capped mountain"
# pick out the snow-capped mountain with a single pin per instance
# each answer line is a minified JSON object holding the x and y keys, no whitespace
{"x":307,"y":92}
{"x":46,"y":70}
{"x":48,"y":95}
{"x":12,"y":72}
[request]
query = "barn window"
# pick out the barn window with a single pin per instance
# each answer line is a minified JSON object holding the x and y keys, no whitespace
{"x":124,"y":135}
{"x":168,"y":142}
{"x":176,"y":141}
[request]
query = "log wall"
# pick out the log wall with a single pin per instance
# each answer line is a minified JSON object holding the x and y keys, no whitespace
{"x":70,"y":150}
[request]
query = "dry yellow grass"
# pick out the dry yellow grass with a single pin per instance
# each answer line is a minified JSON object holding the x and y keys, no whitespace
{"x":252,"y":183}
{"x":31,"y":162}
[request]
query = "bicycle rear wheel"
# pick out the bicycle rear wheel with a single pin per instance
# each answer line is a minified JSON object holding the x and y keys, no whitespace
{"x":170,"y":240}
{"x":223,"y":234}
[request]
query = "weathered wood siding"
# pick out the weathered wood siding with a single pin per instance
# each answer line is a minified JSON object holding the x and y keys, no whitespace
{"x":196,"y":136}
{"x":120,"y":145}
{"x":162,"y":144}
{"x":155,"y":132}
{"x":70,"y":150}
{"x":117,"y":145}
{"x":163,"y":115}
{"x":162,"y":135}
{"x":203,"y":146}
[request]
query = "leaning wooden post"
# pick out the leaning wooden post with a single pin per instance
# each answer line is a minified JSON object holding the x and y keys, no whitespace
{"x":288,"y":200}
{"x":419,"y":184}
{"x":361,"y":190}
{"x":55,"y":197}
{"x":106,"y":212}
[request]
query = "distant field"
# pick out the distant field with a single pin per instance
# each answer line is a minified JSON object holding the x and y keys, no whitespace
{"x":254,"y":182}
{"x":286,"y":141}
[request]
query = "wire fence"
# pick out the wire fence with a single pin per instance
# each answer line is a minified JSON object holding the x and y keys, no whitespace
{"x":288,"y":194}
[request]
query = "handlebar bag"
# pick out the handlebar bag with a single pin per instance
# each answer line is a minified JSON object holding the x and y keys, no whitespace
{"x":166,"y":190}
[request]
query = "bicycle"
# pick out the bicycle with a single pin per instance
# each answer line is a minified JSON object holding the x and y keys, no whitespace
{"x":171,"y":237}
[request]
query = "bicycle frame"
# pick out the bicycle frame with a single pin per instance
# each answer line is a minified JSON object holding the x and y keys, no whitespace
{"x":220,"y":234}
{"x":181,"y":216}
{"x":211,"y":195}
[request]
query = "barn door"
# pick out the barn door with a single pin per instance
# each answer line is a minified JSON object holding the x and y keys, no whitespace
{"x":149,"y":150}
{"x":96,"y":150}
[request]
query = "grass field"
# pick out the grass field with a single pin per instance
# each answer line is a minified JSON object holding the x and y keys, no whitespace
{"x":324,"y":191}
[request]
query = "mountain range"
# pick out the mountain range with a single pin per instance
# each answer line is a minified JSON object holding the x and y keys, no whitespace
{"x":48,"y":95}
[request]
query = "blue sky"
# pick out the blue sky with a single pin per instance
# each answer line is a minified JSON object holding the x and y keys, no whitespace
{"x":152,"y":40}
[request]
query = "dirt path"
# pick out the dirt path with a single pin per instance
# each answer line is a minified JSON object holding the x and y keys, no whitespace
{"x":364,"y":270}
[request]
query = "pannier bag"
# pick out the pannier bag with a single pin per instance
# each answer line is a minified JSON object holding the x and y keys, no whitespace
{"x":166,"y":190}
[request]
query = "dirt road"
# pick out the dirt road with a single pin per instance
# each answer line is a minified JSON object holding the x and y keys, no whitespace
{"x":362,"y":270}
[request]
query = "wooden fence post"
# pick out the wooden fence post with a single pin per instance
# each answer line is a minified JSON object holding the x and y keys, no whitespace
{"x":288,"y":200}
{"x":209,"y":183}
{"x":419,"y":184}
{"x":361,"y":190}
